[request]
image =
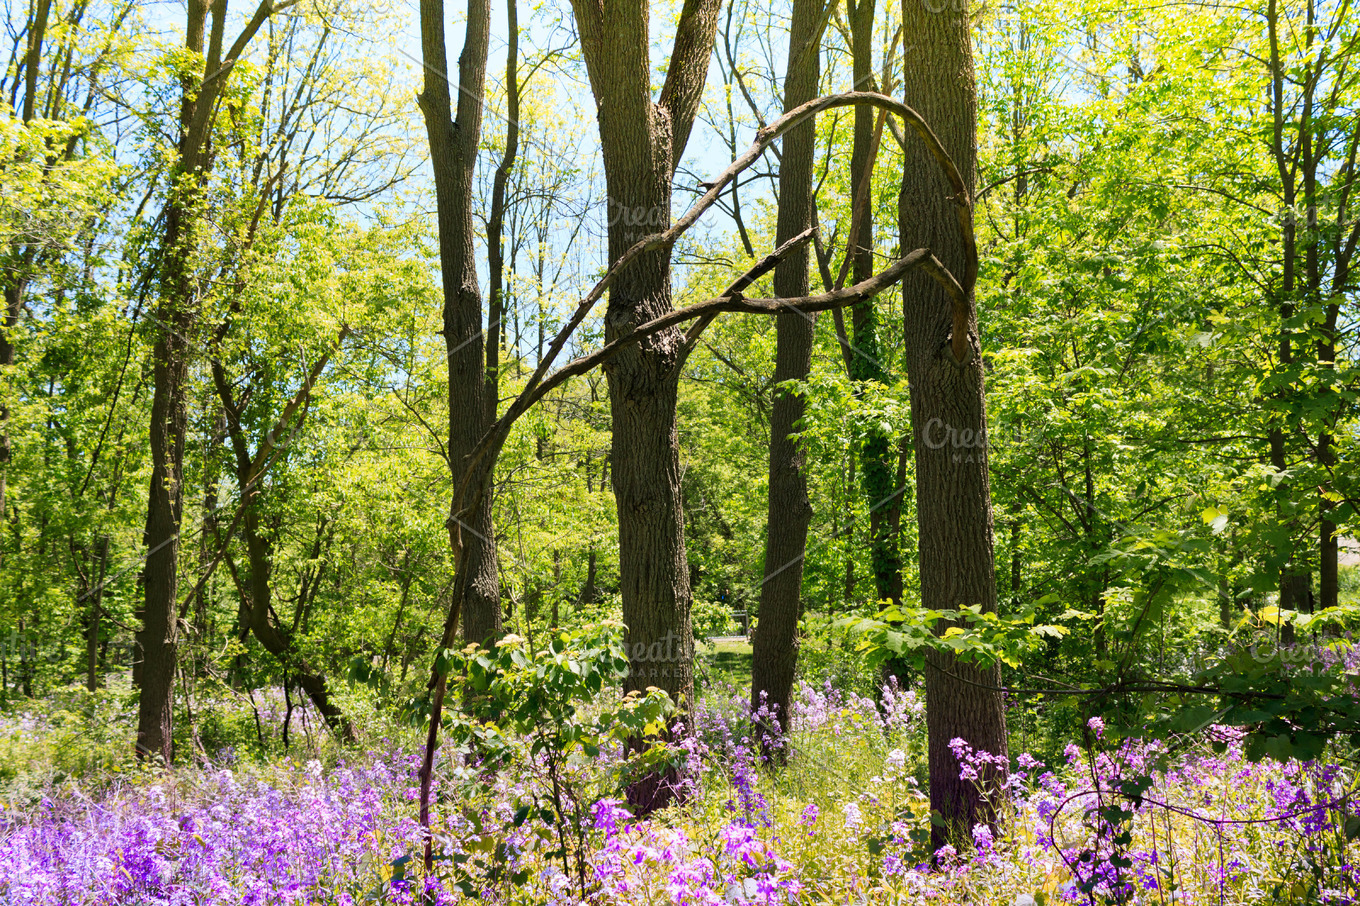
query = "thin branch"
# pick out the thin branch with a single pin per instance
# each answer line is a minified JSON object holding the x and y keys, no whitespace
{"x":764,"y":138}
{"x":477,"y":465}
{"x":758,"y":270}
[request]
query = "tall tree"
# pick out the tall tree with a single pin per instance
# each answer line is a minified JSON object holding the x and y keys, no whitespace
{"x":775,"y":644}
{"x":643,"y":140}
{"x":1314,"y":138}
{"x":670,"y":651}
{"x":495,"y":224}
{"x":944,"y":364}
{"x":877,"y":449}
{"x":176,"y":322}
{"x":472,"y":399}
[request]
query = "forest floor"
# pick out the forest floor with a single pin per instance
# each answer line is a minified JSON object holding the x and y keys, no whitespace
{"x":844,"y":821}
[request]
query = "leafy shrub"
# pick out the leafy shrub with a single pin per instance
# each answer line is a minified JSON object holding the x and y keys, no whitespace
{"x":550,"y":714}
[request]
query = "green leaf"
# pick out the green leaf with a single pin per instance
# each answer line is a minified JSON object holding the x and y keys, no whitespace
{"x":1215,"y":518}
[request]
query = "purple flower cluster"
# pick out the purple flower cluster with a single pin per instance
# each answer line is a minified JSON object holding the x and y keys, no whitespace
{"x":294,"y":834}
{"x":1115,"y":824}
{"x":643,"y":862}
{"x":1124,"y":828}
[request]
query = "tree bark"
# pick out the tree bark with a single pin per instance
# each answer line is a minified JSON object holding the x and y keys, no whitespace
{"x":954,"y":510}
{"x":176,"y":318}
{"x":642,"y":142}
{"x":475,"y":597}
{"x":496,"y":221}
{"x":453,"y":158}
{"x":775,"y":641}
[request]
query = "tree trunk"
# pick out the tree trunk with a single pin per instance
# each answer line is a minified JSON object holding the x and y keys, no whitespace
{"x":775,"y":642}
{"x":1329,"y":580}
{"x":954,"y":510}
{"x":496,"y":221}
{"x":453,"y":157}
{"x":642,"y":142}
{"x":590,"y":592}
{"x":273,"y":637}
{"x":257,"y":609}
{"x":177,"y":319}
{"x":876,"y":453}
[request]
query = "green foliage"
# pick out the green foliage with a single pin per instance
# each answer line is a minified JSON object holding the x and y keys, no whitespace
{"x":551,"y":713}
{"x":1155,"y":457}
{"x":540,"y":695}
{"x":82,"y":737}
{"x":972,"y":635}
{"x":712,"y":618}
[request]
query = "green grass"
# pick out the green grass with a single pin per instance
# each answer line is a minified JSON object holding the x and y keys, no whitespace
{"x":724,"y":662}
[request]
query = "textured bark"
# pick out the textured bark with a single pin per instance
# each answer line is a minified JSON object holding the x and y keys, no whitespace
{"x":453,"y":158}
{"x":775,"y":641}
{"x":642,"y":141}
{"x":953,"y":499}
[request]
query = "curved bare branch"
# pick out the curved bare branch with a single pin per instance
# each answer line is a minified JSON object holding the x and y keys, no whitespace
{"x":764,"y":138}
